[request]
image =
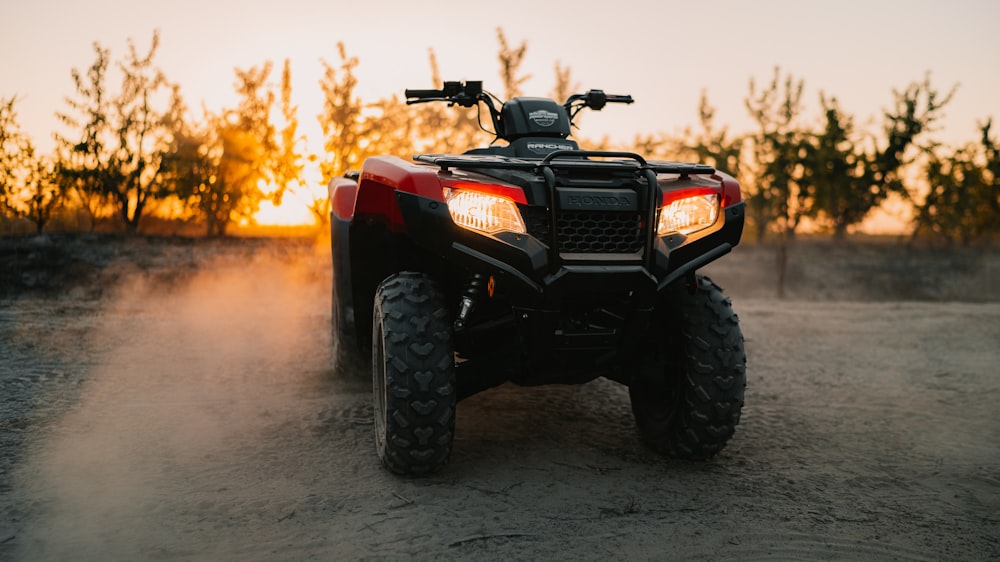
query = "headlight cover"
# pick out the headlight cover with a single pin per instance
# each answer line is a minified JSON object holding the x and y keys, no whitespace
{"x":483,"y":212}
{"x":688,"y":214}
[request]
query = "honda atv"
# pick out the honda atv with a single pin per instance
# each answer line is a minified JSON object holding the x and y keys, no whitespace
{"x":536,"y":262}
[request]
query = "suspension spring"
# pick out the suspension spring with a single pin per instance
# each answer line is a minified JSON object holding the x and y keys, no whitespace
{"x":473,"y":292}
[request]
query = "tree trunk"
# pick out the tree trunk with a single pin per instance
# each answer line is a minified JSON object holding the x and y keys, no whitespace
{"x":781,"y":263}
{"x":839,"y":231}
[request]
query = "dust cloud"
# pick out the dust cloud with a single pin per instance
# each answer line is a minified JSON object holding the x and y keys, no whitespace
{"x":191,"y":376}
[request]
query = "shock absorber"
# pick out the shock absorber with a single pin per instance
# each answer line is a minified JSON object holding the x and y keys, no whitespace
{"x":473,"y":291}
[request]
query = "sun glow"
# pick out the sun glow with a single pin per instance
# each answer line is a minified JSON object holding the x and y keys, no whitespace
{"x":294,"y":209}
{"x":291,"y":212}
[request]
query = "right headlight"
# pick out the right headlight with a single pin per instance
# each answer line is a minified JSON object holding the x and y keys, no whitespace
{"x":688,"y":214}
{"x":483,"y":212}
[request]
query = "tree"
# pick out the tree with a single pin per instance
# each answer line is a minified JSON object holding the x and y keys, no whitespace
{"x":287,"y":166}
{"x":388,"y":128}
{"x":707,"y":145}
{"x":511,"y":59}
{"x":233,"y":189}
{"x":28,"y":184}
{"x":848,"y":179}
{"x":777,"y":197}
{"x":43,"y":194}
{"x":83,"y":165}
{"x":239,"y":154}
{"x":963,"y":200}
{"x":11,"y":156}
{"x":712,"y":145}
{"x":218,"y":170}
{"x":564,"y":85}
{"x":122,"y":142}
{"x":916,"y":109}
{"x":341,"y":117}
{"x":187,"y":168}
{"x":991,"y":149}
{"x":138,"y":154}
{"x":354,"y":130}
{"x":837,"y":171}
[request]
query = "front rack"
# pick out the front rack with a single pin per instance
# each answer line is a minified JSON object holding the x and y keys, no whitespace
{"x":564,"y":160}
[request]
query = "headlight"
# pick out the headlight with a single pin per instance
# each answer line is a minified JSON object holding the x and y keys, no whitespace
{"x":483,"y":212}
{"x":689,"y":214}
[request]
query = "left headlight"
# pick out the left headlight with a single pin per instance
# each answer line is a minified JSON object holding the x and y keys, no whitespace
{"x":483,"y":212}
{"x":689,"y":214}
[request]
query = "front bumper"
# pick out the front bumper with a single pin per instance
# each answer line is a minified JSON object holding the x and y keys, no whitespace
{"x":536,"y":276}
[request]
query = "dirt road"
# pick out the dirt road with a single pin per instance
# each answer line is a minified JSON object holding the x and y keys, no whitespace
{"x":197,"y":418}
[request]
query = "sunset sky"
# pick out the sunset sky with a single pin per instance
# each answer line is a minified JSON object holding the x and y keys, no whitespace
{"x":663,"y":53}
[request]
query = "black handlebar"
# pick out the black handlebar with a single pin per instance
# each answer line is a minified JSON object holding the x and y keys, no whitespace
{"x":423,"y":93}
{"x":462,"y":93}
{"x":465,"y":94}
{"x":594,"y":99}
{"x":620,"y":99}
{"x":470,"y":93}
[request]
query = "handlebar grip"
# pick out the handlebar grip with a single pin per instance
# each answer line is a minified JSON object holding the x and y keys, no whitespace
{"x":620,"y":99}
{"x":423,"y":93}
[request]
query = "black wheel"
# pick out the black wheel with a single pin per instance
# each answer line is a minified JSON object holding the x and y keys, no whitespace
{"x":413,"y":368}
{"x":688,"y":393}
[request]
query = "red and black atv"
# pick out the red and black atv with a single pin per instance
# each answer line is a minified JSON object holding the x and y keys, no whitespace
{"x":536,"y":262}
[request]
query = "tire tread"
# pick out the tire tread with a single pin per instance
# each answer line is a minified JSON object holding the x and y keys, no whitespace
{"x":419,"y":374}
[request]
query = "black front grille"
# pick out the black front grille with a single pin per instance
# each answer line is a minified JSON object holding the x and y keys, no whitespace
{"x":536,"y":219}
{"x":599,"y":232}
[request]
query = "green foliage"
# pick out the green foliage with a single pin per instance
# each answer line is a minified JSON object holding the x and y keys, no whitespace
{"x":12,"y":144}
{"x":217,"y":170}
{"x":140,"y":146}
{"x":963,"y":201}
{"x":833,"y":175}
{"x":43,"y":194}
{"x":83,"y":161}
{"x":341,"y":120}
{"x":121,"y":140}
{"x":29,"y":187}
{"x":713,"y":145}
{"x":238,"y":155}
{"x":287,"y":167}
{"x":838,"y":172}
{"x":778,"y":196}
{"x":848,"y":180}
{"x":187,"y":168}
{"x":232,"y":190}
{"x":342,"y":124}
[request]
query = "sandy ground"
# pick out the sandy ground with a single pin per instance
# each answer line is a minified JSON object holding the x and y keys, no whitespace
{"x":179,"y":405}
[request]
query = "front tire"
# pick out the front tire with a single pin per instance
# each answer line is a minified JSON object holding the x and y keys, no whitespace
{"x":413,"y":371}
{"x":687,"y":395}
